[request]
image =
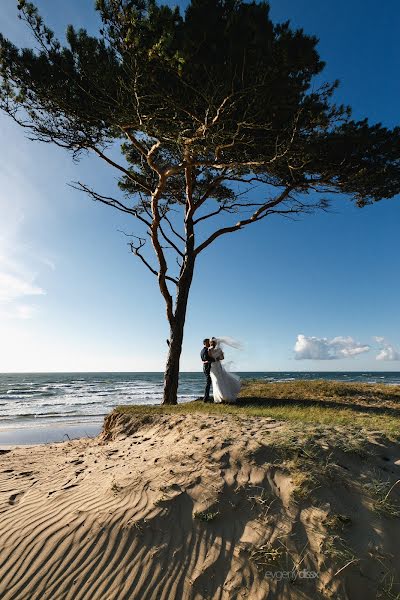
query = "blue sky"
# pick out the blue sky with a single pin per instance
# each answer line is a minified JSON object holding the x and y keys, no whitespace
{"x":72,"y":297}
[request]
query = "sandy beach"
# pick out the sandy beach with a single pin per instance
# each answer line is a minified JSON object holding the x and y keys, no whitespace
{"x":190,"y":506}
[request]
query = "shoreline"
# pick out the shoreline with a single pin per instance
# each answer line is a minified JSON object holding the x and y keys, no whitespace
{"x":48,"y":433}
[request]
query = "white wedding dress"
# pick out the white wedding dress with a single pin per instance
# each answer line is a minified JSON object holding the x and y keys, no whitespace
{"x":226,"y":385}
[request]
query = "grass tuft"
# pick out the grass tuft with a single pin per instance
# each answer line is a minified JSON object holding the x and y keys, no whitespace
{"x":207,"y":515}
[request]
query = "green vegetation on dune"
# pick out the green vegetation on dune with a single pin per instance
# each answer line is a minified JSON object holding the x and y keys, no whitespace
{"x":371,"y":406}
{"x":326,"y":455}
{"x":325,"y":389}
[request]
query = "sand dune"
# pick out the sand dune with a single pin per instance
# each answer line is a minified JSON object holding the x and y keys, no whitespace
{"x":192,"y":507}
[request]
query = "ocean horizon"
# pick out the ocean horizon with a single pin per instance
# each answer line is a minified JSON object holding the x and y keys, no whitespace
{"x":78,"y":401}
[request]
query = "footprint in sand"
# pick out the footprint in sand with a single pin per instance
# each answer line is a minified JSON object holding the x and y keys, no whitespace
{"x":15,"y":498}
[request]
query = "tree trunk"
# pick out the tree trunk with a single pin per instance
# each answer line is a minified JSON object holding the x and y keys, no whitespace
{"x":171,"y":376}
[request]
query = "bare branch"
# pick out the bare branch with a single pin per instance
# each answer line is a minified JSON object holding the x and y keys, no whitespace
{"x":109,"y":201}
{"x":163,"y":215}
{"x":178,"y":235}
{"x":120,"y":168}
{"x":136,"y":249}
{"x":257,"y":216}
{"x":167,"y":239}
{"x":229,"y":208}
{"x":212,"y":214}
{"x":179,"y":262}
{"x":213,"y":184}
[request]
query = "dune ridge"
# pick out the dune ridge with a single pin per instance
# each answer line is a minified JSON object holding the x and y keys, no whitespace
{"x":193,"y":506}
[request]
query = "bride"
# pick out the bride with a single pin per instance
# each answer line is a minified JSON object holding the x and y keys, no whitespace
{"x":226,"y":385}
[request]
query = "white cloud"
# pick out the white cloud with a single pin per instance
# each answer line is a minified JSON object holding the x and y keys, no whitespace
{"x":17,"y":285}
{"x":311,"y":348}
{"x":19,"y":261}
{"x":13,"y":286}
{"x":387,"y":351}
{"x":18,"y":311}
{"x":346,"y":347}
{"x":314,"y":348}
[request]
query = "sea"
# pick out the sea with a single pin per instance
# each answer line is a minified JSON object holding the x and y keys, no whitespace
{"x":51,"y":407}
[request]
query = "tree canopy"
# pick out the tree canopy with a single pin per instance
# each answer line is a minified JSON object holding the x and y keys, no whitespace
{"x":222,"y":83}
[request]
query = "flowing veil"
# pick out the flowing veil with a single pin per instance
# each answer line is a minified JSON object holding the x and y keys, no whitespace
{"x":228,"y":341}
{"x":230,"y":381}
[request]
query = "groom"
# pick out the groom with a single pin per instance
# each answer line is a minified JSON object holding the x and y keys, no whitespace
{"x":207,"y":360}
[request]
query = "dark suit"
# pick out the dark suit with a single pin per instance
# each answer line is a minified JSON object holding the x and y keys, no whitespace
{"x":206,"y":369}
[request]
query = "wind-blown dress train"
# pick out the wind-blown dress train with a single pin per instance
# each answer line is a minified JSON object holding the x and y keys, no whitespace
{"x":226,"y":385}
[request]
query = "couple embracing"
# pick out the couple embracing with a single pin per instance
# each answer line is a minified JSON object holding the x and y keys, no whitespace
{"x":226,"y":385}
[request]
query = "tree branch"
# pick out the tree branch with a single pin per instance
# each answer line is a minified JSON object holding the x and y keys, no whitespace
{"x":120,"y":168}
{"x":136,"y":251}
{"x":257,"y":216}
{"x":109,"y":201}
{"x":166,"y":238}
{"x":162,"y":273}
{"x":208,"y":191}
{"x":230,"y":208}
{"x":178,"y":235}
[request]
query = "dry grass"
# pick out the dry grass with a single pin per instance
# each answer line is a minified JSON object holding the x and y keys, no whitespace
{"x":375,"y":407}
{"x":316,"y":390}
